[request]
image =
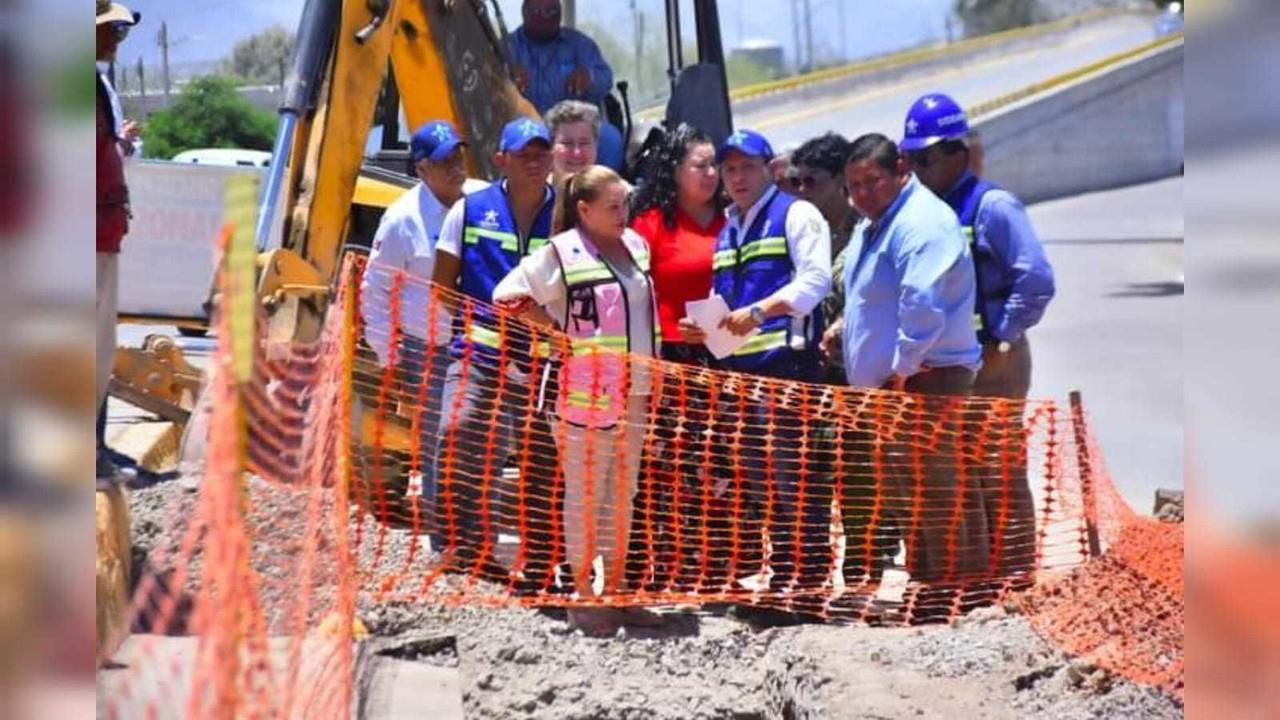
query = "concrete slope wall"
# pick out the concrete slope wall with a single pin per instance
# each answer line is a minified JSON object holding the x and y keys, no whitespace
{"x":1119,"y":127}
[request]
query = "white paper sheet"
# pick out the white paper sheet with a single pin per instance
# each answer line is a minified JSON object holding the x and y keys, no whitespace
{"x":707,"y":314}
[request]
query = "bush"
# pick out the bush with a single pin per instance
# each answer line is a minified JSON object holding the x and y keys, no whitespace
{"x":210,"y":113}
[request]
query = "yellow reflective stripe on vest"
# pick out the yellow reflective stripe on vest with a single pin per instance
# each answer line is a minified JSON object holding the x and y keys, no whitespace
{"x":490,"y":338}
{"x":537,"y":242}
{"x":765,"y":247}
{"x":607,"y":343}
{"x":762,"y":343}
{"x":724,"y":259}
{"x":472,"y":235}
{"x":482,"y":335}
{"x":587,"y":273}
{"x":775,"y":246}
{"x":585,"y":400}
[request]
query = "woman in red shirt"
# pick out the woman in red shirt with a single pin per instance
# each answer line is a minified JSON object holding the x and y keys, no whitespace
{"x":679,"y":209}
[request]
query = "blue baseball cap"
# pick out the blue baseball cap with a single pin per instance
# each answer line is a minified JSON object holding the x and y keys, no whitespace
{"x":522,"y":131}
{"x":434,"y":141}
{"x":747,"y":142}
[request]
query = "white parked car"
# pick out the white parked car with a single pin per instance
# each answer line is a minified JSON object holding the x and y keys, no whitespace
{"x":225,"y":157}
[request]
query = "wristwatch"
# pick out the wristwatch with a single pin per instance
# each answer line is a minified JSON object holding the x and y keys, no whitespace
{"x":757,"y":314}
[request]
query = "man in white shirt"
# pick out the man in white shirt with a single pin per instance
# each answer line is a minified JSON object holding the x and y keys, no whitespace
{"x":403,"y":255}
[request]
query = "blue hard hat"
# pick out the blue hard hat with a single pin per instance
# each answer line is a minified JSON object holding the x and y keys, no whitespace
{"x":933,"y":118}
{"x":747,"y":142}
{"x":434,"y":141}
{"x":522,"y":131}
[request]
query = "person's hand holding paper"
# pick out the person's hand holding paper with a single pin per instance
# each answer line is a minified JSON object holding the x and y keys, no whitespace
{"x":706,"y":316}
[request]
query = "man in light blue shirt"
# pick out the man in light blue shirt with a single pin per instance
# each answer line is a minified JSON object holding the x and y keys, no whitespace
{"x":909,"y":282}
{"x":908,"y":325}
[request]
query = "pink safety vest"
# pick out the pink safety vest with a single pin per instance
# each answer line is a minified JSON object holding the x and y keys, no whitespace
{"x":595,"y":382}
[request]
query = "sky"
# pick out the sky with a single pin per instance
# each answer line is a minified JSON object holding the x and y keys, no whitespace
{"x":202,"y":30}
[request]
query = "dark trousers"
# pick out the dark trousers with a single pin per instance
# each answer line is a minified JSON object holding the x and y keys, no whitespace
{"x":1010,"y":507}
{"x":682,"y":533}
{"x":907,"y":486}
{"x":788,"y":478}
{"x":488,"y":419}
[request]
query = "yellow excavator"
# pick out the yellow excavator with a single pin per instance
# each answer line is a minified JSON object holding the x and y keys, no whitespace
{"x":358,"y":63}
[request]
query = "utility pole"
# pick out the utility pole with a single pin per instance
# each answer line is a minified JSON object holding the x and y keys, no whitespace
{"x":142,"y":81}
{"x":637,"y":39}
{"x":795,"y":32}
{"x":570,"y":10}
{"x":808,"y":37}
{"x":163,"y":39}
{"x":844,"y":33}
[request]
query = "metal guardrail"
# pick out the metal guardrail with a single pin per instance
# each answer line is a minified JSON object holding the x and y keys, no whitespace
{"x":989,"y":106}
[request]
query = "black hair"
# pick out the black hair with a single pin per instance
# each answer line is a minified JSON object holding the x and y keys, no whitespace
{"x":876,"y":147}
{"x":656,"y":184}
{"x":827,"y":152}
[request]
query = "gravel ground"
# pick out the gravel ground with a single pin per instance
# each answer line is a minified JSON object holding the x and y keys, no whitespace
{"x":521,"y":663}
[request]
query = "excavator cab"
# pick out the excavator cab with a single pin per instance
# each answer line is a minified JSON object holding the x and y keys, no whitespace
{"x":696,"y":91}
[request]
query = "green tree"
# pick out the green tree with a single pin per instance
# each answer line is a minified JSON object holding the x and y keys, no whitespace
{"x":983,"y":17}
{"x":261,"y":58}
{"x":210,"y":113}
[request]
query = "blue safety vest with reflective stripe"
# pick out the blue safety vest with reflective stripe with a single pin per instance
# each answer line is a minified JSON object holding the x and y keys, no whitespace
{"x":965,"y":200}
{"x":491,"y":248}
{"x":750,"y":268}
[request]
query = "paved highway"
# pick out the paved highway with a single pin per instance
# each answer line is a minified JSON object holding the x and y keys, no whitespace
{"x":881,"y":107}
{"x":1114,"y":331}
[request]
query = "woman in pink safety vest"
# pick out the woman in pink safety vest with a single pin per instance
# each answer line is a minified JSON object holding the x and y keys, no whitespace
{"x":592,"y":280}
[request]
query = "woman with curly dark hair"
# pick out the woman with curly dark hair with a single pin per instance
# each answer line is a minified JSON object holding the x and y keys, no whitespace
{"x":682,"y":530}
{"x":679,"y":209}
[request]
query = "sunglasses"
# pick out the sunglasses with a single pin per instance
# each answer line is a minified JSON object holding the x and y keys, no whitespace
{"x":120,"y":30}
{"x":927,"y":157}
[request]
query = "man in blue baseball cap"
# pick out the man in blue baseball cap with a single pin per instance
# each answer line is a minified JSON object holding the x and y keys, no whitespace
{"x":772,"y":266}
{"x":494,"y":379}
{"x":1014,"y":278}
{"x":404,"y":245}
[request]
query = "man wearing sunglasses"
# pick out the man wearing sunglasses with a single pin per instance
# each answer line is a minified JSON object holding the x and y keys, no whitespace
{"x":818,"y":176}
{"x":1014,"y":280}
{"x":114,"y":139}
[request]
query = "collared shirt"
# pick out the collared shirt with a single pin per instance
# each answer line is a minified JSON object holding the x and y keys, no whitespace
{"x":406,"y":241}
{"x":808,"y":243}
{"x":909,"y":292}
{"x":1013,"y":273}
{"x":551,"y":63}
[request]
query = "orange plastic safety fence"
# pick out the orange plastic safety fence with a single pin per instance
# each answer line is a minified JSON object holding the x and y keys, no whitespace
{"x":392,"y":461}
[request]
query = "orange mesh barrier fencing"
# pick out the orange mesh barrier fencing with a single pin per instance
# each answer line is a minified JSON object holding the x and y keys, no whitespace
{"x":391,"y":462}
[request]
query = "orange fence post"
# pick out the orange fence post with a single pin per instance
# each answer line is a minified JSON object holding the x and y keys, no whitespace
{"x":1088,"y":487}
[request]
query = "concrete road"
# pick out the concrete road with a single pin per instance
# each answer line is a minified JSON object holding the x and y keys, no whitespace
{"x":1114,"y":331}
{"x":881,"y":108}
